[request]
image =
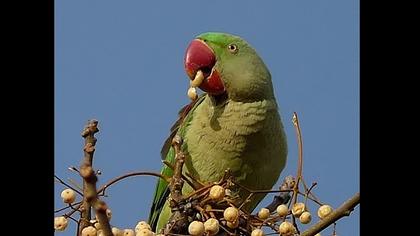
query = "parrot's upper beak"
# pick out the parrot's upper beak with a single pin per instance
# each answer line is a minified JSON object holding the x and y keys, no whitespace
{"x":200,"y":57}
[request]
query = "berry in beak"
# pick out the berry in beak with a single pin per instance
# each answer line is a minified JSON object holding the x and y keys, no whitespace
{"x":199,"y":62}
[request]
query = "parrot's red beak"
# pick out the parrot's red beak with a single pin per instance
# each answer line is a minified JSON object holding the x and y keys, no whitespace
{"x":199,"y":56}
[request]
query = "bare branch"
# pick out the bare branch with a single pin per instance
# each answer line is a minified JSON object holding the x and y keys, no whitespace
{"x":178,"y":219}
{"x":177,"y":183}
{"x":300,"y":154}
{"x":300,"y":164}
{"x":90,"y":197}
{"x":344,"y":210}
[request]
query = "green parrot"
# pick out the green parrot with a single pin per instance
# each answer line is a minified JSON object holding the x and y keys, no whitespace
{"x":234,"y":125}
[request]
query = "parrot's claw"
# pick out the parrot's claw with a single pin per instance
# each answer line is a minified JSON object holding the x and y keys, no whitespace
{"x":282,"y":198}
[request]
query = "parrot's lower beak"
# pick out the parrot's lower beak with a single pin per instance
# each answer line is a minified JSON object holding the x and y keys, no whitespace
{"x":199,"y":64}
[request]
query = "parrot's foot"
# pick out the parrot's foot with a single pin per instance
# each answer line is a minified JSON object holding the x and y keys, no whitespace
{"x":282,"y":198}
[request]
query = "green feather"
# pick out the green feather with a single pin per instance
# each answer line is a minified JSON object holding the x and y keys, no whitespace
{"x":162,"y":190}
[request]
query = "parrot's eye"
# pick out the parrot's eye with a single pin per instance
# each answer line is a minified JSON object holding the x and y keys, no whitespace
{"x":232,"y":48}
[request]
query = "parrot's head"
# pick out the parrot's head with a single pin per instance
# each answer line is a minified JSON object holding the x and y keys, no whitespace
{"x":230,"y":67}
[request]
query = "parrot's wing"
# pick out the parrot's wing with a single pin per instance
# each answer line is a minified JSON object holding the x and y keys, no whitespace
{"x":168,"y":154}
{"x":182,"y":114}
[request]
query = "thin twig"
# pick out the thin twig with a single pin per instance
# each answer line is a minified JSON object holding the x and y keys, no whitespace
{"x":311,"y":193}
{"x":261,"y":190}
{"x":313,"y":199}
{"x":139,"y":173}
{"x":199,"y":192}
{"x":105,"y":186}
{"x":300,"y":154}
{"x":344,"y":210}
{"x":69,"y":217}
{"x":74,"y":210}
{"x":295,"y":121}
{"x":308,"y":191}
{"x":68,"y":186}
{"x":76,"y":185}
{"x":73,"y":169}
{"x":66,"y":207}
{"x":248,"y":199}
{"x":78,"y":226}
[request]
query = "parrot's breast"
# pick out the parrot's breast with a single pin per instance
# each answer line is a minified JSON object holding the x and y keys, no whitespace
{"x":247,"y":138}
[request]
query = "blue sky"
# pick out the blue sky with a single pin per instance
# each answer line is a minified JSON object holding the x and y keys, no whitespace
{"x":121,"y":62}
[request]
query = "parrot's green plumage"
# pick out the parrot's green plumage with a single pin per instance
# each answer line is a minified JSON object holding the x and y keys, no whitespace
{"x":239,"y":129}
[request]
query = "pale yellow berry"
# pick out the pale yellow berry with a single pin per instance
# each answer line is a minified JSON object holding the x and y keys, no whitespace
{"x":233,"y":225}
{"x":68,"y":195}
{"x":217,"y":192}
{"x":60,"y":223}
{"x":142,"y":225}
{"x":89,"y":231}
{"x":192,"y":93}
{"x":324,"y":211}
{"x":211,"y":226}
{"x":198,"y":79}
{"x":298,"y":208}
{"x":264,"y":213}
{"x":305,"y":217}
{"x":257,"y":232}
{"x":144,"y":232}
{"x":196,"y":228}
{"x":282,"y":210}
{"x":116,"y":231}
{"x":286,"y":229}
{"x":129,"y":232}
{"x":231,"y":214}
